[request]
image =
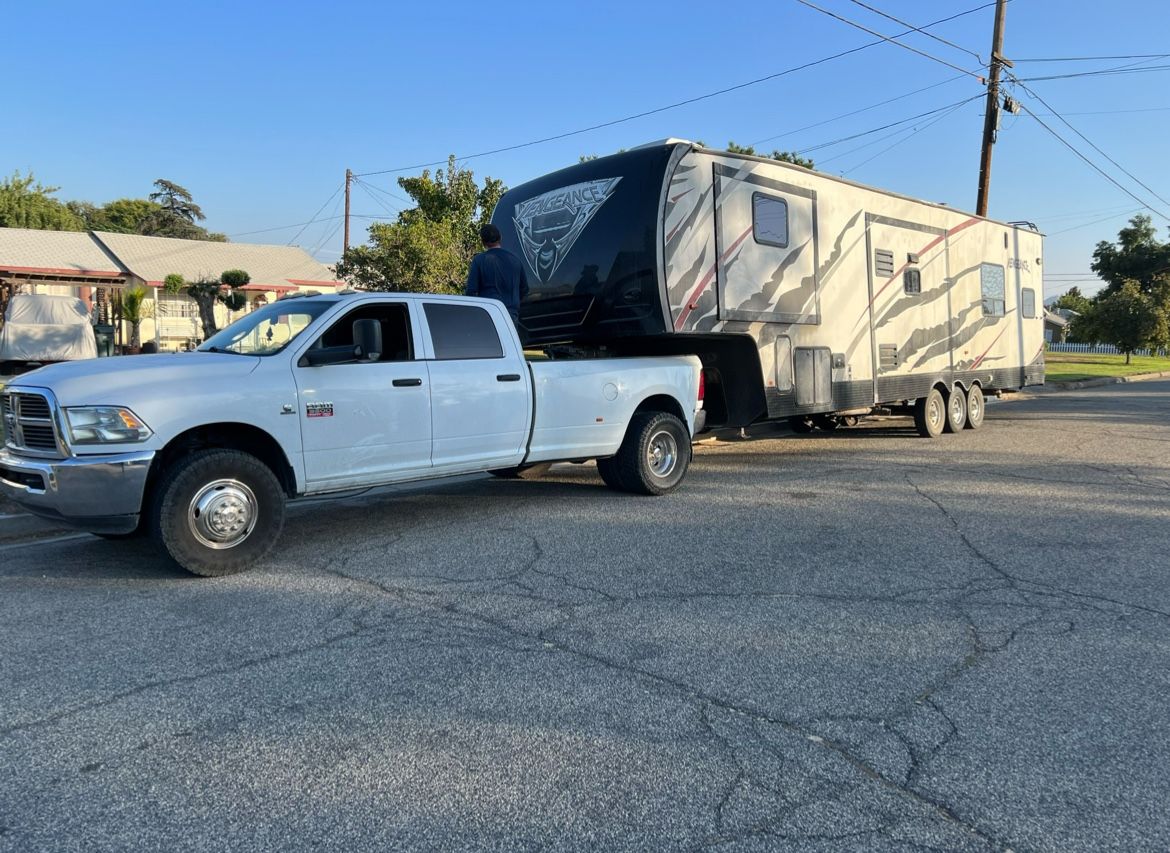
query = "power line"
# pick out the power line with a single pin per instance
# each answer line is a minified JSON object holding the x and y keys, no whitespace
{"x":1094,"y":58}
{"x":1091,"y":164}
{"x":858,"y":111}
{"x":811,"y":148}
{"x":377,"y":200}
{"x":913,"y":131}
{"x":1129,"y":174}
{"x":1106,"y":72}
{"x":940,"y":39}
{"x":682,"y":103}
{"x":1131,"y":212}
{"x":315,"y":215}
{"x":890,"y":39}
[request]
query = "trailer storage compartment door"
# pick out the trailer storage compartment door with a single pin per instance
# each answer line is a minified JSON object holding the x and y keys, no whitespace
{"x":766,"y":247}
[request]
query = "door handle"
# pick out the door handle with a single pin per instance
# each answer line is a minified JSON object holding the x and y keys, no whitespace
{"x":508,"y":377}
{"x":407,"y":383}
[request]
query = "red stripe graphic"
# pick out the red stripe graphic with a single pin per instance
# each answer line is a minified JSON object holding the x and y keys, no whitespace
{"x":979,"y":360}
{"x":921,"y":251}
{"x":689,"y":305}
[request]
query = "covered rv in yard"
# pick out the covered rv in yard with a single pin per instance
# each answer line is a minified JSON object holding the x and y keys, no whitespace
{"x":808,"y":296}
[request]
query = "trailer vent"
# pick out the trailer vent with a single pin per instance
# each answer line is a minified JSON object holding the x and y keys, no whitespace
{"x":883,"y":263}
{"x":888,"y":356}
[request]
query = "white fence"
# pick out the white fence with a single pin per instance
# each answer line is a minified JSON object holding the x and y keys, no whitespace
{"x":1101,"y":349}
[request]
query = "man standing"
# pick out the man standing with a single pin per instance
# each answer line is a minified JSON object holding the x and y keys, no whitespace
{"x":497,"y":274}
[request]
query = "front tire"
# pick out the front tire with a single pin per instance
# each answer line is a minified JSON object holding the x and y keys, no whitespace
{"x":930,"y":414}
{"x":976,"y":408}
{"x":218,"y":511}
{"x":956,"y":410}
{"x":655,"y":454}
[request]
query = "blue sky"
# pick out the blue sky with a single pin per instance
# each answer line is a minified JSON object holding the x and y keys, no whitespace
{"x":258,"y":108}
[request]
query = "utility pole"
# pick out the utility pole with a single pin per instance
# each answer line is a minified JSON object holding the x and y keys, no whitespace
{"x":991,"y":114}
{"x":348,"y":181}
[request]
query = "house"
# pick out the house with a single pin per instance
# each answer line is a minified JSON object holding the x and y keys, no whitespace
{"x":1056,"y":324}
{"x":97,"y":265}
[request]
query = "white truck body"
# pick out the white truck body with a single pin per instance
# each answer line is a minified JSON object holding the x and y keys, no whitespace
{"x":452,"y":393}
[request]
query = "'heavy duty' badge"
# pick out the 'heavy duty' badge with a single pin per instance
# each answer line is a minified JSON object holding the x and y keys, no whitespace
{"x":319,"y":410}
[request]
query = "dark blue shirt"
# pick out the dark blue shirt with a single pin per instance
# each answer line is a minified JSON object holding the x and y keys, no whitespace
{"x":498,"y":274}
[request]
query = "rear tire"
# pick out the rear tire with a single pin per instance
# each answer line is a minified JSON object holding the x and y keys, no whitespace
{"x":217,"y":512}
{"x":655,"y":454}
{"x":930,"y":414}
{"x":956,"y":410}
{"x":976,"y":408}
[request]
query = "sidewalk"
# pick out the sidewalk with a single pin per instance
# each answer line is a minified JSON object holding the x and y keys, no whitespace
{"x":1095,"y":382}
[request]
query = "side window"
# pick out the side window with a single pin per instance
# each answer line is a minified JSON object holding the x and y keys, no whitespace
{"x":991,"y":278}
{"x":770,"y":220}
{"x":462,"y":331}
{"x":397,"y":344}
{"x":1028,"y":303}
{"x":912,"y":281}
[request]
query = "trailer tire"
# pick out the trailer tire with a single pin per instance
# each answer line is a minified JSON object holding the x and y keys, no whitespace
{"x":930,"y":413}
{"x":217,"y":512}
{"x":976,"y":408}
{"x":654,"y":455}
{"x":611,"y":474}
{"x":802,"y":425}
{"x":956,"y":402}
{"x":523,"y":472}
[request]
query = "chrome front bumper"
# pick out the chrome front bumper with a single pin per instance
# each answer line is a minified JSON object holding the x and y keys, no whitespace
{"x":102,"y":494}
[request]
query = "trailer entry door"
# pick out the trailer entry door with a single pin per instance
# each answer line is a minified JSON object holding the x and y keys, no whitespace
{"x":765,"y":238}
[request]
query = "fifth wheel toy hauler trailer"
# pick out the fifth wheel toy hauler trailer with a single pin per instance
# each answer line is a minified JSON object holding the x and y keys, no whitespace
{"x":808,"y":297}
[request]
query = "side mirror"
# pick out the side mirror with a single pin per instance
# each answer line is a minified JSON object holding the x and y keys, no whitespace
{"x":367,"y":338}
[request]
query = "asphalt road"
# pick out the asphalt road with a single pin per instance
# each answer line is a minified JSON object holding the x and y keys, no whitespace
{"x":851,"y":641}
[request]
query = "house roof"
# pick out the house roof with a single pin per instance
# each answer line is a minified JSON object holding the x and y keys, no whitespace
{"x":275,"y":267}
{"x":65,"y":253}
{"x":1054,"y":318}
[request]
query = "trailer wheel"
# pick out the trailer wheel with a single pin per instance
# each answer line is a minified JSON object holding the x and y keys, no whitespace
{"x":850,"y":420}
{"x":525,"y":472}
{"x":611,"y":474}
{"x":956,"y":410}
{"x":975,"y":408}
{"x":217,"y":512}
{"x":654,"y":455}
{"x":930,"y":414}
{"x":802,"y":425}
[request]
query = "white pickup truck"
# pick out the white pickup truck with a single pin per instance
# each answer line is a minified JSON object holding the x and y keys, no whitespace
{"x":327,"y":393}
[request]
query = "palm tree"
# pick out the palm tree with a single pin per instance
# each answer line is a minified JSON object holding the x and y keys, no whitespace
{"x":134,"y":312}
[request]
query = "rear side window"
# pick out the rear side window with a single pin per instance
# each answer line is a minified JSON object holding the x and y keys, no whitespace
{"x":1028,"y":303}
{"x":991,"y":277}
{"x":462,"y":331}
{"x":770,"y":220}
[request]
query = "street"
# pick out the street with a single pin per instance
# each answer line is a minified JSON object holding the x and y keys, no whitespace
{"x":860,"y":640}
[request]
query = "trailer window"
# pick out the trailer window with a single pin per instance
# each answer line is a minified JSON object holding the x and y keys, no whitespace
{"x":991,"y":277}
{"x":1028,"y":303}
{"x":770,"y":220}
{"x":912,"y":281}
{"x":462,"y":331}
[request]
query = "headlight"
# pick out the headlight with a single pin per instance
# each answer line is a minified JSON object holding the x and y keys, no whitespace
{"x":105,"y":425}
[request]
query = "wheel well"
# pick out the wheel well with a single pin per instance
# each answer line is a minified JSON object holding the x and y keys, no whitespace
{"x":226,"y":436}
{"x":662,"y":403}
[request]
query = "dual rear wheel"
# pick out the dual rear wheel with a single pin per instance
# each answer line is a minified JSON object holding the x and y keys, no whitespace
{"x":952,"y":412}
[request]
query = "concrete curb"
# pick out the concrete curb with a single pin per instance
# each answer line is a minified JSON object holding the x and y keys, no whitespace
{"x":1099,"y":381}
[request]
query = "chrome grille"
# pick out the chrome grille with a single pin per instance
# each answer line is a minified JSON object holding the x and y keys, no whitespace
{"x":28,"y":422}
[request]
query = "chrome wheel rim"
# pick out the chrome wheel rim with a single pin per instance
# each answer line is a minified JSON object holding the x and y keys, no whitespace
{"x":222,"y":514}
{"x":974,"y":409}
{"x":934,"y":412}
{"x":958,"y":410}
{"x":662,"y":453}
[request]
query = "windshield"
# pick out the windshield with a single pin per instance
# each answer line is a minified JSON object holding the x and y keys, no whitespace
{"x":270,"y":329}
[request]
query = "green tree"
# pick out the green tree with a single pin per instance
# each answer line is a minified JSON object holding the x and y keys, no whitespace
{"x":429,"y":247}
{"x":26,"y":203}
{"x":1073,"y":300}
{"x":134,"y":310}
{"x":783,"y":156}
{"x":207,"y":291}
{"x":176,"y":215}
{"x":1137,"y":256}
{"x":1129,"y":319}
{"x":122,"y":216}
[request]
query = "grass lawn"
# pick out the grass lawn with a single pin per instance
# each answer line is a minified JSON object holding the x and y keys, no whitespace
{"x":1073,"y":366}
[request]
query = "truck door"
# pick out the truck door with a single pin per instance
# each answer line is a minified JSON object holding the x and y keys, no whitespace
{"x":481,"y":399}
{"x":766,"y":247}
{"x":364,"y":422}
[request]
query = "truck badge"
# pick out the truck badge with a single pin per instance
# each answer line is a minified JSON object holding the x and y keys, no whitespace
{"x":549,"y":224}
{"x":319,"y":410}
